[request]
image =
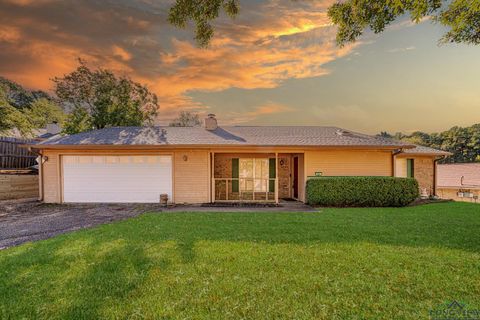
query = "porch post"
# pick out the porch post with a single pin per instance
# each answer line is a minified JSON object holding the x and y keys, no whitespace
{"x":276,"y":177}
{"x":212,"y":178}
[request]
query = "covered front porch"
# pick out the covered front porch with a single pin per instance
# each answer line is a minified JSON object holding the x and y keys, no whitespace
{"x":256,"y":177}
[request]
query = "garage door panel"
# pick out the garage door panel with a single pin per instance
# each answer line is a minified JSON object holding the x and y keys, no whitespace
{"x":116,"y":178}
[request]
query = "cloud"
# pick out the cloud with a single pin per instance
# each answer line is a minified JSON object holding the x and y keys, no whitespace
{"x":394,"y":50}
{"x":268,"y":43}
{"x":267,"y":109}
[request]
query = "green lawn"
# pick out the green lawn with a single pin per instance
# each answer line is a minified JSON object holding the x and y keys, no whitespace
{"x":385,"y":263}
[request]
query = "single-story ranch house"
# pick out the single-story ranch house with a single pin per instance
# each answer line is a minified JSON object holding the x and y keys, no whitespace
{"x":214,"y":164}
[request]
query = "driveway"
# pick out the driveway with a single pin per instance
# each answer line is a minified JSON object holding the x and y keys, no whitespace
{"x":29,"y":220}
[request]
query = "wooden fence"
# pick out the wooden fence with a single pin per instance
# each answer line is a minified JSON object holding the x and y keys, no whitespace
{"x":18,"y":186}
{"x":13,"y":156}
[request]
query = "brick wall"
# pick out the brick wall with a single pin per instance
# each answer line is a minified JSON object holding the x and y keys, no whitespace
{"x":424,"y":173}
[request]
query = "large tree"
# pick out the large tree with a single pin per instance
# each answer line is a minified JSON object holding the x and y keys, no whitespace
{"x":352,"y":17}
{"x":186,"y":119}
{"x":98,"y":99}
{"x":25,"y":111}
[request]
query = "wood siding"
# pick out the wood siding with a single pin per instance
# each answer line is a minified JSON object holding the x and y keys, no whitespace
{"x":51,"y":177}
{"x":191,"y":177}
{"x":18,"y":186}
{"x":401,"y":167}
{"x":348,"y":163}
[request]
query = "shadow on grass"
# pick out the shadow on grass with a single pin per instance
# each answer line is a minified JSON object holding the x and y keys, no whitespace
{"x":102,"y":267}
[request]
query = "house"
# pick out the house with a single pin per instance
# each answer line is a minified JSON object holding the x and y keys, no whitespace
{"x":215,"y":163}
{"x":459,"y":181}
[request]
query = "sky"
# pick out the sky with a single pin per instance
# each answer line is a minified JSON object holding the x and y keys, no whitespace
{"x":275,"y":64}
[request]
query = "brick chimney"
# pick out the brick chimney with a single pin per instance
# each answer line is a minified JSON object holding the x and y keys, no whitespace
{"x":211,"y":122}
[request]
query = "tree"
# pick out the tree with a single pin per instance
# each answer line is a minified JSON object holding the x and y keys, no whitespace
{"x":352,"y":17}
{"x":202,"y":13}
{"x":186,"y":119}
{"x":43,"y":112}
{"x":12,"y":118}
{"x":77,"y":121}
{"x":21,"y":110}
{"x":464,"y":143}
{"x":99,"y":99}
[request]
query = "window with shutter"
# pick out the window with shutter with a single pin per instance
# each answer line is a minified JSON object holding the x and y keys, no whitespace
{"x":410,"y":168}
{"x":235,"y":174}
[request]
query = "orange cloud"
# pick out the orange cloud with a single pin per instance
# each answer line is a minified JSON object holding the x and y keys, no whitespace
{"x":267,"y":44}
{"x":9,"y":34}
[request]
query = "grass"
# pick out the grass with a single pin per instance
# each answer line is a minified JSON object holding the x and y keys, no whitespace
{"x":385,"y":263}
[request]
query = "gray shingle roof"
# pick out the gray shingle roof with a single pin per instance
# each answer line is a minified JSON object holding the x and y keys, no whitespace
{"x":426,"y":150}
{"x":233,"y":135}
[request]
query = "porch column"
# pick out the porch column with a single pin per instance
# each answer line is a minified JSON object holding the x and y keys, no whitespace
{"x":276,"y":177}
{"x":212,"y":178}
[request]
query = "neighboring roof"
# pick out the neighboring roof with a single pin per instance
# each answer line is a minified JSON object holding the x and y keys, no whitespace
{"x":458,"y":175}
{"x":234,"y":135}
{"x":46,"y":135}
{"x":421,"y":150}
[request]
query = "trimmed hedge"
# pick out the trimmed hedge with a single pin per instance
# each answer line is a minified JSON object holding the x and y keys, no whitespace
{"x":361,"y":191}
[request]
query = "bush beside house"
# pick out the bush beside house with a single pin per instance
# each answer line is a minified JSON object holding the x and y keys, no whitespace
{"x":361,"y":191}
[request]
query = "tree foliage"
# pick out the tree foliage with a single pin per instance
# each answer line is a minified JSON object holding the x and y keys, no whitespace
{"x":186,"y":119}
{"x":464,"y":143}
{"x":99,"y":99}
{"x":26,"y":111}
{"x":202,"y":13}
{"x":352,"y":17}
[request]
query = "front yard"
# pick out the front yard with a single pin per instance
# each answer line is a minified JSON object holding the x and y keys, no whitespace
{"x":384,"y":263}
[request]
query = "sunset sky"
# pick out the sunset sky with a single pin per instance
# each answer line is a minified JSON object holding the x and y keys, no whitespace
{"x":276,"y":64}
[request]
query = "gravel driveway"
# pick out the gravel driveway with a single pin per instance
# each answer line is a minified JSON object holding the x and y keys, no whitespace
{"x":29,"y":220}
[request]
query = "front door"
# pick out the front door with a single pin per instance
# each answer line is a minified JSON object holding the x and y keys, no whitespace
{"x":295,"y":177}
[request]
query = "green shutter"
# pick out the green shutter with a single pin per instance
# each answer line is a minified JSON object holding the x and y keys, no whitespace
{"x":271,"y":174}
{"x":235,"y":174}
{"x":410,"y":168}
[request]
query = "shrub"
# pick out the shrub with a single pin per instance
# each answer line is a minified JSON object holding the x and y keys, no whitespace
{"x":361,"y":191}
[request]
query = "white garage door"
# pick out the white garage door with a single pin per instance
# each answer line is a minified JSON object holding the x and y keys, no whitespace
{"x":116,"y":178}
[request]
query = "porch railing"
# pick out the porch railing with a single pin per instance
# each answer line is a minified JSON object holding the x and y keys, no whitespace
{"x":244,"y":189}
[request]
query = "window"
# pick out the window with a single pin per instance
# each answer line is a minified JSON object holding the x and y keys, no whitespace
{"x":410,"y":168}
{"x":253,"y":174}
